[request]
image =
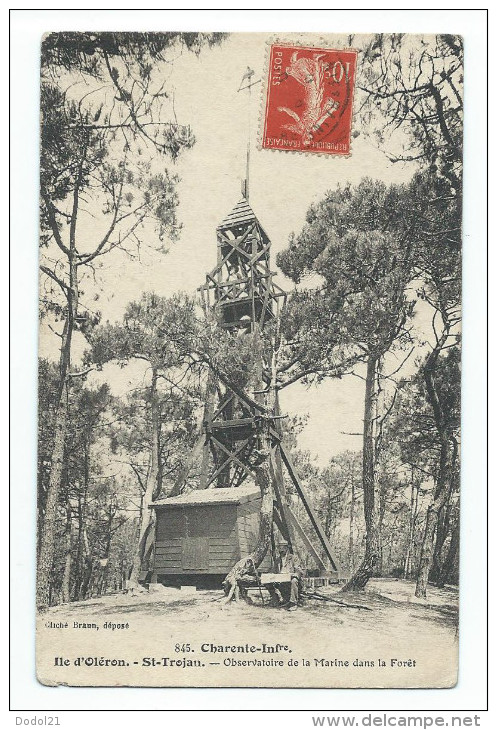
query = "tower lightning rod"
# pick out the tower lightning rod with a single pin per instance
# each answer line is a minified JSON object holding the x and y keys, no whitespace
{"x":247,"y":76}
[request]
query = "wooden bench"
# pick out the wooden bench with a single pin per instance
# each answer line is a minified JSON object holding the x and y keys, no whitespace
{"x":265,"y":581}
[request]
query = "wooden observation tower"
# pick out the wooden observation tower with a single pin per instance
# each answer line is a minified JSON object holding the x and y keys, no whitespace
{"x":243,"y":294}
{"x":240,"y":292}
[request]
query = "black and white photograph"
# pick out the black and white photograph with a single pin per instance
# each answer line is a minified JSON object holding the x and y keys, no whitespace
{"x":249,"y":383}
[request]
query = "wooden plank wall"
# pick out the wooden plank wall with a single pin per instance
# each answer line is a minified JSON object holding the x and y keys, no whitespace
{"x":216,"y":523}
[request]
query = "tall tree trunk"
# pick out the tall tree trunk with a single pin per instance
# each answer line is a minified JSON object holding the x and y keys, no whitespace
{"x":263,"y":479}
{"x":440,"y":536}
{"x":428,"y":540}
{"x":87,"y":556}
{"x":78,"y":579}
{"x":207,"y":418}
{"x":351,"y":528}
{"x":66,"y":578}
{"x":201,"y":448}
{"x":412,"y":524}
{"x":371,"y":558}
{"x":445,"y":468}
{"x":108,"y":542}
{"x":147,"y":515}
{"x":443,"y":528}
{"x":451,"y":557}
{"x":83,"y":550}
{"x":263,"y":473}
{"x":47,"y":537}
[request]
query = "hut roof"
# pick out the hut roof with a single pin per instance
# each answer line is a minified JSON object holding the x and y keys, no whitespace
{"x":216,"y":495}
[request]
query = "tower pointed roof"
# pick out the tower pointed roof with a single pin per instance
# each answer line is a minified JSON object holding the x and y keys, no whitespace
{"x":241,"y":213}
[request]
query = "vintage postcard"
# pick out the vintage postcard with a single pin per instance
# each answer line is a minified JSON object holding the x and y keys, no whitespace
{"x":249,"y":360}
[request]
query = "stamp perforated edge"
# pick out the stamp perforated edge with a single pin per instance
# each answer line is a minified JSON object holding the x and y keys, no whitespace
{"x":308,"y":43}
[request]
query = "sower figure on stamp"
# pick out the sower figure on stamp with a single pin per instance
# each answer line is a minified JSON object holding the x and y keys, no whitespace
{"x":288,"y":593}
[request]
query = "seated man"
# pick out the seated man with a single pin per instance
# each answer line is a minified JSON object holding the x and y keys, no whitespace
{"x":291,"y":564}
{"x":288,"y":594}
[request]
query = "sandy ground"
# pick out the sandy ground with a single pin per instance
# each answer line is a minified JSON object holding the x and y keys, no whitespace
{"x":391,"y":602}
{"x":415,"y":639}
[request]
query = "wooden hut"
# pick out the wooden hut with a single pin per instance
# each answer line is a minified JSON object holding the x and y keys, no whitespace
{"x":201,"y":535}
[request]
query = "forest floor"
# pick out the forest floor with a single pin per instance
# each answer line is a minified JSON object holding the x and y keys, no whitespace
{"x":391,"y":603}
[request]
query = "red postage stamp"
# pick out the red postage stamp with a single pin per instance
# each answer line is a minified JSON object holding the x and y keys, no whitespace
{"x":309,"y":100}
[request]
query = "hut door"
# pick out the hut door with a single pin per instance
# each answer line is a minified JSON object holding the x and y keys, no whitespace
{"x":195,"y":553}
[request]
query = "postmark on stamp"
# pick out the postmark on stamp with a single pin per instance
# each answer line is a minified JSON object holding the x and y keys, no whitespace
{"x":309,"y":99}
